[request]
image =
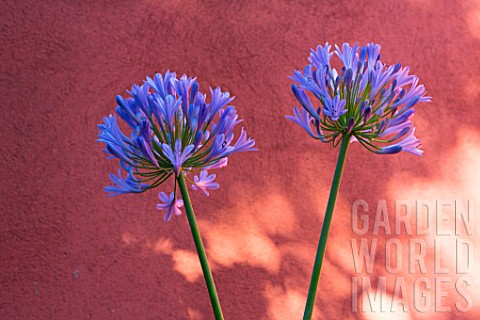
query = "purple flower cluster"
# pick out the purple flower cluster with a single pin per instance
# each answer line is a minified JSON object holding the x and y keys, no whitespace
{"x":174,"y":131}
{"x":368,"y":100}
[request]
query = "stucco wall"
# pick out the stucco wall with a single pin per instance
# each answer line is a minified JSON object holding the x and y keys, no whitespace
{"x":68,"y":252}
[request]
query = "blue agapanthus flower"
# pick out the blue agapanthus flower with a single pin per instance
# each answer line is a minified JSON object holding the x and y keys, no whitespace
{"x":173,"y":131}
{"x":371,"y":101}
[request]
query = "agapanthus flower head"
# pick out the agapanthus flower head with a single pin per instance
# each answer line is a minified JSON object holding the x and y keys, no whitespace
{"x":174,"y":130}
{"x":366,"y":99}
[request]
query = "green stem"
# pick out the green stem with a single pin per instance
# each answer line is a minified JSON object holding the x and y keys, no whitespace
{"x":322,"y":244}
{"x":207,"y":274}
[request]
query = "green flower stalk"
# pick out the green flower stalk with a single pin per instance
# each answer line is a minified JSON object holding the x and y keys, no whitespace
{"x":207,"y":273}
{"x":322,"y":245}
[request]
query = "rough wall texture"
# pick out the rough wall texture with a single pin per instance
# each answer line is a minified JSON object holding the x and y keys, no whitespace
{"x":68,"y":252}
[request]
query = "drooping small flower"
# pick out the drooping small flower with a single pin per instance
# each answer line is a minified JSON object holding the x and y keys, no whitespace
{"x":371,"y":102}
{"x":170,"y":205}
{"x":174,"y":131}
{"x":205,"y":182}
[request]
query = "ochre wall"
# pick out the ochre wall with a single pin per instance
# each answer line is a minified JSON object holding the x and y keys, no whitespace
{"x":69,"y":252}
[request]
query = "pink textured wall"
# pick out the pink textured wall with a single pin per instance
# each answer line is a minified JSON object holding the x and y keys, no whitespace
{"x":68,"y":252}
